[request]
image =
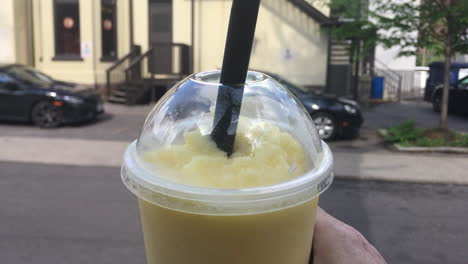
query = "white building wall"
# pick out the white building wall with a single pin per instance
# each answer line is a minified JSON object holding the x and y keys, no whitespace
{"x":390,"y":58}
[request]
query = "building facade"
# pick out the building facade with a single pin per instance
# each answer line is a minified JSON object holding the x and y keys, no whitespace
{"x":14,"y":32}
{"x":77,"y":40}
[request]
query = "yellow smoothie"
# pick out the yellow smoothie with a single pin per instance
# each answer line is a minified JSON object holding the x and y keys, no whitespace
{"x":263,"y":155}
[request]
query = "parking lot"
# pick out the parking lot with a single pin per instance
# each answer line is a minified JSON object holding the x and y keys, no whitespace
{"x":122,"y":122}
{"x":421,"y":112}
{"x":119,"y":122}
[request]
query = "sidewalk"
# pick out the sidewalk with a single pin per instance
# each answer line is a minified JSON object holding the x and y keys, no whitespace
{"x":367,"y":158}
{"x":392,"y":166}
{"x":376,"y":164}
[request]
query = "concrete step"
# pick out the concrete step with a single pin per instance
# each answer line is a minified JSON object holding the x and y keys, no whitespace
{"x":117,"y":100}
{"x":120,"y":93}
{"x":341,"y":52}
{"x":339,"y":60}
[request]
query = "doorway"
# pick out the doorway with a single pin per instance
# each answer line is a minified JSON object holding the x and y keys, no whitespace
{"x":160,"y":36}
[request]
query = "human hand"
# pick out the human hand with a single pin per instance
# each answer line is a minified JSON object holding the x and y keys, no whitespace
{"x":336,"y":242}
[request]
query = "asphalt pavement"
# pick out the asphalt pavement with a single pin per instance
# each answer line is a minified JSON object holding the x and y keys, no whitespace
{"x":67,"y":214}
{"x":76,"y":214}
{"x":390,"y":114}
{"x":119,"y":123}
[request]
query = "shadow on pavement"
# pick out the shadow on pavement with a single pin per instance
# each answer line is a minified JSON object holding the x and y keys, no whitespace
{"x":16,"y":123}
{"x":346,"y":200}
{"x":105,"y":117}
{"x":353,"y":211}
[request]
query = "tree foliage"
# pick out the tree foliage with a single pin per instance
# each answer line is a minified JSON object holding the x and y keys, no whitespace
{"x":409,"y":24}
{"x":353,"y":22}
{"x":412,"y":25}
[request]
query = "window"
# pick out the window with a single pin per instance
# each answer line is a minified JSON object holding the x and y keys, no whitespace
{"x":5,"y":79}
{"x":463,"y":84}
{"x":108,"y":30}
{"x":30,"y":75}
{"x":67,"y":30}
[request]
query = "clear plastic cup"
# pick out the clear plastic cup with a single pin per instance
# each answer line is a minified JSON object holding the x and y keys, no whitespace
{"x":257,"y":225}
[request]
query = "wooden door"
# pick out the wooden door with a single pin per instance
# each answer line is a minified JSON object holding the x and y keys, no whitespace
{"x":160,"y":35}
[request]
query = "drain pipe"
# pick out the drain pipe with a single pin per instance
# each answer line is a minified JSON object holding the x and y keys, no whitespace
{"x":130,"y":16}
{"x":192,"y":37}
{"x":94,"y":53}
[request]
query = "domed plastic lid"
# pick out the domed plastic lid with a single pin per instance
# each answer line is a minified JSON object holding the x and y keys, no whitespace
{"x":185,"y":114}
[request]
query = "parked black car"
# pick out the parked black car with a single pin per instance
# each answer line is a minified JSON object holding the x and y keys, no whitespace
{"x":458,"y":97}
{"x":29,"y":95}
{"x":436,"y":76}
{"x":333,"y":117}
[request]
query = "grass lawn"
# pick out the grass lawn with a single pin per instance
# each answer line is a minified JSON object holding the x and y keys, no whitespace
{"x":408,"y":135}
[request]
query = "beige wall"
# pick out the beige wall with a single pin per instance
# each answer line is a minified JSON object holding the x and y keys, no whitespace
{"x":290,"y":43}
{"x":45,"y":47}
{"x":286,"y":42}
{"x":15,"y":32}
{"x":91,"y":69}
{"x":7,"y":36}
{"x":321,"y":5}
{"x":140,"y":23}
{"x":23,"y":41}
{"x":123,"y":40}
{"x":208,"y":28}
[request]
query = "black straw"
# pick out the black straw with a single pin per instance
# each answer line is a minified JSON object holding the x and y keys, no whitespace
{"x":236,"y":59}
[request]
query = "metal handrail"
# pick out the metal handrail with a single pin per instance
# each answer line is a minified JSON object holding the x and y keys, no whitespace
{"x":120,"y":61}
{"x":134,"y":51}
{"x":177,"y":44}
{"x":392,"y":75}
{"x":138,"y":59}
{"x":138,"y":72}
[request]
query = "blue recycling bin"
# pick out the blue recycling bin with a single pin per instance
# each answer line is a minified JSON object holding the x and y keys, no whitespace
{"x":377,"y":87}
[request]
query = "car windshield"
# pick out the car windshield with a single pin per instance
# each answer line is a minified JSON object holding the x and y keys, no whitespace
{"x":291,"y":86}
{"x":30,"y":75}
{"x":463,"y":82}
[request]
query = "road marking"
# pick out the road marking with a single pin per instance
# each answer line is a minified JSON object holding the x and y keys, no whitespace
{"x":62,"y":151}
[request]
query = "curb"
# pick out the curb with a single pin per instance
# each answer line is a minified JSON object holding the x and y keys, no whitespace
{"x":399,"y":180}
{"x":456,"y":150}
{"x":453,"y":150}
{"x":382,"y":132}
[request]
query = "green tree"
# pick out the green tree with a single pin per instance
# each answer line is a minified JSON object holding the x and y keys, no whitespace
{"x":440,"y":25}
{"x":353,"y":22}
{"x":352,"y":25}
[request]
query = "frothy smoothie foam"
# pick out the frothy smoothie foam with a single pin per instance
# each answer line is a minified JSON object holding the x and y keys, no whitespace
{"x":263,"y":155}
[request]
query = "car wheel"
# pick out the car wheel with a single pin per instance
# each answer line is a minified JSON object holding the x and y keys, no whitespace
{"x":437,"y":102}
{"x":46,"y":115}
{"x":326,"y":125}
